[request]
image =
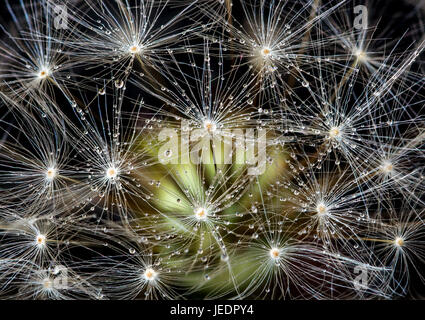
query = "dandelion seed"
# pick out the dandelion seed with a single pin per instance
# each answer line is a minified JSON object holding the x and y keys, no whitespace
{"x":210,"y":126}
{"x":135,"y":49}
{"x":399,"y":242}
{"x":201,"y":214}
{"x":266,"y":52}
{"x":40,"y":240}
{"x":47,"y":284}
{"x":44,"y":73}
{"x":274,"y":253}
{"x":387,"y":167}
{"x":150,"y":274}
{"x":334,"y":133}
{"x":112,"y":173}
{"x":321,"y":209}
{"x":361,"y":55}
{"x":51,"y":174}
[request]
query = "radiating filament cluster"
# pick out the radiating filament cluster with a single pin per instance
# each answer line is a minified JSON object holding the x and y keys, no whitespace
{"x":197,"y":149}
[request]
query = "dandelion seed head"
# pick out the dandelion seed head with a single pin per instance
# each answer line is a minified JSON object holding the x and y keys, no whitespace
{"x":344,"y":131}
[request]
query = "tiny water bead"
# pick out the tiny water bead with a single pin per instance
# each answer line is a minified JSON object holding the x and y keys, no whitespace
{"x":168,"y":153}
{"x":119,"y":84}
